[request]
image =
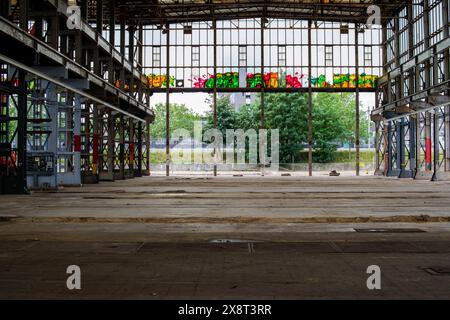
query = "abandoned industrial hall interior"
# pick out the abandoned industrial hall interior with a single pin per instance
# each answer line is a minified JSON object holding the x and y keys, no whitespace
{"x":225,"y":149}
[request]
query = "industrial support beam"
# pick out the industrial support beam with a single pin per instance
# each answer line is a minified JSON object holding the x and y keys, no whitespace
{"x":167,"y":100}
{"x":140,"y":133}
{"x":147,"y":149}
{"x":262,"y":149}
{"x":5,"y":8}
{"x":357,"y":113}
{"x":112,"y":39}
{"x":121,"y":131}
{"x":21,"y":186}
{"x":65,"y":85}
{"x":445,"y":17}
{"x":215,"y":94}
{"x":428,"y":174}
{"x":310,"y":106}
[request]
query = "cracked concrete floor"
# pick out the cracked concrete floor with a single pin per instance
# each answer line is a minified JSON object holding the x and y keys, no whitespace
{"x":150,"y":238}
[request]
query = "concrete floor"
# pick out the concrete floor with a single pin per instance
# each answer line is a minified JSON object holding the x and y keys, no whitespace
{"x":160,"y":238}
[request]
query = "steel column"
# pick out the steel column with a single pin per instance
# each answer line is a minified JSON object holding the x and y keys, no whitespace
{"x":357,"y":113}
{"x":262,"y":125}
{"x":139,"y":150}
{"x":215,"y":94}
{"x":446,"y":19}
{"x":310,"y":106}
{"x":168,"y":100}
{"x":112,"y":39}
{"x":22,"y":135}
{"x":121,"y":147}
{"x":147,"y":149}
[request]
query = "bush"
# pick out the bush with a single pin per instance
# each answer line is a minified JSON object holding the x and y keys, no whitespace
{"x":324,"y":152}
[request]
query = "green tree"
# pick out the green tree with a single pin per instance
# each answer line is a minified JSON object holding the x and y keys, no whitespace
{"x":288,"y":112}
{"x":181,"y":117}
{"x":330,"y":124}
{"x":248,"y":117}
{"x":226,"y":116}
{"x":333,"y":121}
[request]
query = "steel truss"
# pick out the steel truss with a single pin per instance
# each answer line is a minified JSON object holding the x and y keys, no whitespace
{"x":13,"y":106}
{"x":61,"y":91}
{"x":412,"y":117}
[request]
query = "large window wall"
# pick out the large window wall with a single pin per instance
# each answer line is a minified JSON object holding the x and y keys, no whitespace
{"x":248,"y":55}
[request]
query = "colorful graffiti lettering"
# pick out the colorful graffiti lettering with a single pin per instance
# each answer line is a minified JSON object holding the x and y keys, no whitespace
{"x":294,"y":81}
{"x":349,"y":81}
{"x":276,"y":80}
{"x":199,"y":82}
{"x":159,"y":81}
{"x":254,"y":80}
{"x":368,"y":81}
{"x":320,"y":82}
{"x":125,"y":88}
{"x":273,"y":80}
{"x":223,"y":80}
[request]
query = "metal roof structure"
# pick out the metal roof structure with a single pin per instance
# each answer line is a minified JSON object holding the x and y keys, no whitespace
{"x":103,"y":74}
{"x":176,"y":11}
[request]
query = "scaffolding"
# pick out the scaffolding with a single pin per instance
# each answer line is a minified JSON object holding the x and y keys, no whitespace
{"x":82,"y":85}
{"x":413,"y":98}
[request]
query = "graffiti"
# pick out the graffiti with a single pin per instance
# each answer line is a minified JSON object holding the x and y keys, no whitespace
{"x":277,"y":80}
{"x":199,"y":82}
{"x":227,"y":80}
{"x":294,"y":81}
{"x":254,"y":80}
{"x":223,"y":80}
{"x":349,"y":81}
{"x":273,"y":80}
{"x":341,"y":80}
{"x":320,"y":82}
{"x":126,"y":87}
{"x":368,"y":81}
{"x":31,"y":85}
{"x":159,"y":81}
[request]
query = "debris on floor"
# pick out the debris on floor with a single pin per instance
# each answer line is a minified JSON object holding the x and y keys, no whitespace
{"x":334,"y":173}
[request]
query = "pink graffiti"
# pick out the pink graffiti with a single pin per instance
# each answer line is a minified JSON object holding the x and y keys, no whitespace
{"x":294,"y":81}
{"x":200,"y":82}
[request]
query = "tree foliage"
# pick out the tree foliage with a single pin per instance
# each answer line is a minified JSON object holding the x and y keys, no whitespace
{"x":226,"y":116}
{"x":288,"y":113}
{"x":181,"y":117}
{"x":333,"y":121}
